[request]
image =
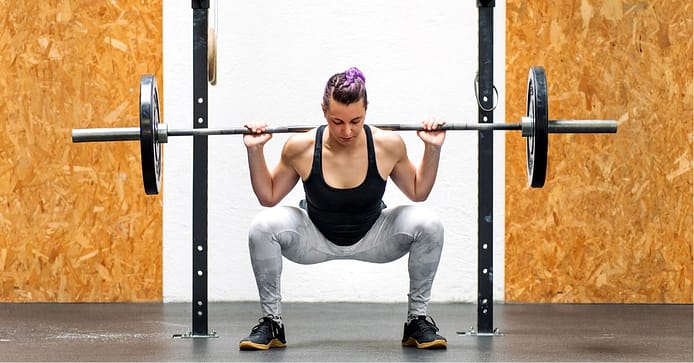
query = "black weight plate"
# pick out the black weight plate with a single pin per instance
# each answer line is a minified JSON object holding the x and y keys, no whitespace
{"x":150,"y":148}
{"x":536,"y":144}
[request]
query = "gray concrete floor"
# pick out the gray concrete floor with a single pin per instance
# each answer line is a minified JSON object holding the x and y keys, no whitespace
{"x":345,"y":332}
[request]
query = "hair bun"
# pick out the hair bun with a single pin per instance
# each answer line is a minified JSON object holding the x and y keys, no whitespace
{"x":353,"y":74}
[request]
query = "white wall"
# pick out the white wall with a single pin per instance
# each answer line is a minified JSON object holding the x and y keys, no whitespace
{"x":274,"y":57}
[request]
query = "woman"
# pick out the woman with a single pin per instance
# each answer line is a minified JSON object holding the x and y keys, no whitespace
{"x":344,"y":166}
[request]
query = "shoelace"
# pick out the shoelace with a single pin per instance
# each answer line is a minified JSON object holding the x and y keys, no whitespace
{"x":427,"y":325}
{"x":265,"y":323}
{"x":262,"y":323}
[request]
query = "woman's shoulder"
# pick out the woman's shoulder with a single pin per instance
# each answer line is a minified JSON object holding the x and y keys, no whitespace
{"x":298,"y":143}
{"x":388,"y":141}
{"x":386,"y":137}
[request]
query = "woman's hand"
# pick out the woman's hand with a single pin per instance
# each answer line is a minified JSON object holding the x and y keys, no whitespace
{"x":430,"y":135}
{"x":259,"y":137}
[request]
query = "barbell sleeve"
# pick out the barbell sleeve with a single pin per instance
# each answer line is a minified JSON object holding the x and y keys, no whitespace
{"x":106,"y":134}
{"x":582,"y":126}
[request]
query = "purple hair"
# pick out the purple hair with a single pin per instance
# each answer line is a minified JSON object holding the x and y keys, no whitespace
{"x":347,"y":87}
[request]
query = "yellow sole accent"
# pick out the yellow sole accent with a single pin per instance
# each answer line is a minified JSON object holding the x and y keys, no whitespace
{"x":434,"y":344}
{"x":248,"y":345}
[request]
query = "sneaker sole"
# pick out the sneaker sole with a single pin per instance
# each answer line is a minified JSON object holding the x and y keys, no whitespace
{"x":248,"y":345}
{"x":434,"y":344}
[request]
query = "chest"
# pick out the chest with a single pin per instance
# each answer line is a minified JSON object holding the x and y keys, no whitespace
{"x":344,"y":170}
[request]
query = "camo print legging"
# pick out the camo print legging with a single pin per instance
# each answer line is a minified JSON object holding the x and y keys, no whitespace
{"x":288,"y":231}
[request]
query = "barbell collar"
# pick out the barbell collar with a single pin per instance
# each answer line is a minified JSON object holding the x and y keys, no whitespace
{"x":163,"y":133}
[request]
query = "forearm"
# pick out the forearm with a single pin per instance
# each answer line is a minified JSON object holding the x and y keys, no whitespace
{"x":261,"y":178}
{"x":426,"y":172}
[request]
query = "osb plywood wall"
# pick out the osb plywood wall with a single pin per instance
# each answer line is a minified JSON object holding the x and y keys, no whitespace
{"x":75,"y":224}
{"x":614,"y":222}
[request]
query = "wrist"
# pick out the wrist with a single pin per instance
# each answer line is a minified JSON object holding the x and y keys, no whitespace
{"x":435,"y":148}
{"x":254,"y":149}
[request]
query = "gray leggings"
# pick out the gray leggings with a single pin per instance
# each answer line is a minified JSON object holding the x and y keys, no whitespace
{"x":288,"y":231}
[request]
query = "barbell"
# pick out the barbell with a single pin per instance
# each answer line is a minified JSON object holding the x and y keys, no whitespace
{"x":534,"y":126}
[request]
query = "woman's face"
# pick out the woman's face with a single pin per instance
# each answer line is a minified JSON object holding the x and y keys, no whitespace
{"x":345,"y":122}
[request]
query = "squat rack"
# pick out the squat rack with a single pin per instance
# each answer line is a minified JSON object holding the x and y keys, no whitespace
{"x":485,"y":178}
{"x":200,"y":171}
{"x":485,"y":301}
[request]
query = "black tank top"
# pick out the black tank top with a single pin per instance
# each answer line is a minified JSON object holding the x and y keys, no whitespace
{"x":344,"y":215}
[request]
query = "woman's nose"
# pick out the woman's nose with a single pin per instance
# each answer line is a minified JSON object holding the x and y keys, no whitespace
{"x":347,"y":131}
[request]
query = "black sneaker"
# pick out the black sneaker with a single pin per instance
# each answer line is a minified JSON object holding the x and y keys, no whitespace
{"x":267,"y":334}
{"x":421,"y":333}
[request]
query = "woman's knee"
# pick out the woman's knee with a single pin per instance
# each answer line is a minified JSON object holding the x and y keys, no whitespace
{"x":271,"y":221}
{"x":424,"y":221}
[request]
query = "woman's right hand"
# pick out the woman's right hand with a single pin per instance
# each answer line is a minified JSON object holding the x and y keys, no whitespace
{"x":259,"y":137}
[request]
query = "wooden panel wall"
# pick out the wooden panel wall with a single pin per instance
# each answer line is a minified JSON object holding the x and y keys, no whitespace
{"x":614,"y":223}
{"x":75,"y":224}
